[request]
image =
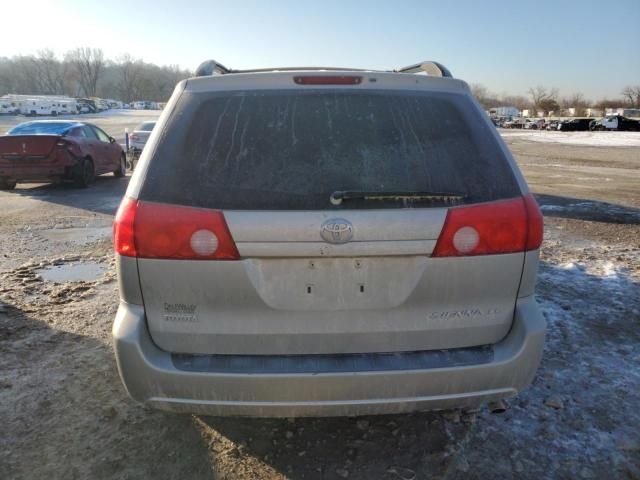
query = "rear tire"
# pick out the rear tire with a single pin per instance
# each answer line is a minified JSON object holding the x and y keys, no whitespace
{"x":85,"y":175}
{"x":122,"y":169}
{"x":7,"y":184}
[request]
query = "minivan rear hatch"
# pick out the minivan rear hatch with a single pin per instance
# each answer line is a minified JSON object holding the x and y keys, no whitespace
{"x":316,"y":276}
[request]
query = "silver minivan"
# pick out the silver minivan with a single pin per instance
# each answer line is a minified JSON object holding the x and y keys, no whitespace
{"x":316,"y":241}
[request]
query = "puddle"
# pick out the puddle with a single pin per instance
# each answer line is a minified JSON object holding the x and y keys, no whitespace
{"x":73,"y":272}
{"x":76,"y":235}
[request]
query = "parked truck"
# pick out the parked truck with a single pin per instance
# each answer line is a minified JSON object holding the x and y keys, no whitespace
{"x":616,"y":122}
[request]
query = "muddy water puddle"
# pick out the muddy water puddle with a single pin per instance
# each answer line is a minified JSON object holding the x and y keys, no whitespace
{"x":73,"y":272}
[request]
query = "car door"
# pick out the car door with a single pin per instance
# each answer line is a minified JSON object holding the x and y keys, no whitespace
{"x":610,"y":123}
{"x":93,"y":146}
{"x":108,"y":161}
{"x":82,"y":145}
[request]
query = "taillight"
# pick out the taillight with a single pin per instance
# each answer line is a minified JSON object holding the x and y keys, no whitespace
{"x":133,"y":137}
{"x":535,"y":223}
{"x":500,"y":227}
{"x":327,"y":80}
{"x":123,"y":236}
{"x":153,"y":230}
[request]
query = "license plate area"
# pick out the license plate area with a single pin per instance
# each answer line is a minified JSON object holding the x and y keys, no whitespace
{"x":335,"y":283}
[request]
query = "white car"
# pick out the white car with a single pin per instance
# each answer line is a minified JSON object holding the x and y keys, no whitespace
{"x":533,"y":124}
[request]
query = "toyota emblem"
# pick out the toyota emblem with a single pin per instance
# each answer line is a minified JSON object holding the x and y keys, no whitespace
{"x":336,"y":230}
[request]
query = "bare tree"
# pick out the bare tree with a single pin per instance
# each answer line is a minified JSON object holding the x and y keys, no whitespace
{"x":576,"y":101}
{"x":608,"y":103}
{"x":631,"y":96}
{"x":479,"y":91}
{"x":88,"y":64}
{"x":543,"y":99}
{"x":517,"y":101}
{"x":129,"y":79}
{"x":85,"y":72}
{"x":26,"y":75}
{"x":8,"y":81}
{"x":486,"y":98}
{"x":52,"y":72}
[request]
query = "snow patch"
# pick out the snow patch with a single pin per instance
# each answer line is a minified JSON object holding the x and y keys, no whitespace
{"x":594,"y":139}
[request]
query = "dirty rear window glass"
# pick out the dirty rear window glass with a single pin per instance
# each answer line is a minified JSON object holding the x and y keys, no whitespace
{"x":41,"y":128}
{"x":292,"y":149}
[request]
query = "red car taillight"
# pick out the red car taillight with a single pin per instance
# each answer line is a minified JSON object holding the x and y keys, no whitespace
{"x":500,"y":227}
{"x":153,"y":230}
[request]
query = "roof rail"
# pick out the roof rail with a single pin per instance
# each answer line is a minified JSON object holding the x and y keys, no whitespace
{"x":211,"y":67}
{"x":429,"y":67}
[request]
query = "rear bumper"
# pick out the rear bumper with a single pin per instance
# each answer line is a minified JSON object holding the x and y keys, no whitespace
{"x":46,"y":169}
{"x":151,"y":377}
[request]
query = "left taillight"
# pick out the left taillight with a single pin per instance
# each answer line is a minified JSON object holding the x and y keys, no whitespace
{"x":153,"y":230}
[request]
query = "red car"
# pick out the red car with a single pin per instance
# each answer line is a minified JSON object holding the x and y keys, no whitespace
{"x":58,"y":150}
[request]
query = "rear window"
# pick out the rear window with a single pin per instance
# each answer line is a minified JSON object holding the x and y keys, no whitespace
{"x":41,"y":128}
{"x":290,"y":150}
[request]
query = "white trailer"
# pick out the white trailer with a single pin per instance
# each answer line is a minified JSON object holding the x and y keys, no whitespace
{"x":38,"y":105}
{"x":33,"y":107}
{"x":68,"y":107}
{"x":8,"y":108}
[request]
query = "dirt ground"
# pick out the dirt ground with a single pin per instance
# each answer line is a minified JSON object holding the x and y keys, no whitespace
{"x":64,"y":413}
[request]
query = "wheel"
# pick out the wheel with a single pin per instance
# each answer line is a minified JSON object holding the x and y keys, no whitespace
{"x":7,"y":184}
{"x":85,"y":174}
{"x":121,"y":171}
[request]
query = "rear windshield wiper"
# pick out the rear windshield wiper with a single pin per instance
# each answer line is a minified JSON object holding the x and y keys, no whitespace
{"x":338,"y":197}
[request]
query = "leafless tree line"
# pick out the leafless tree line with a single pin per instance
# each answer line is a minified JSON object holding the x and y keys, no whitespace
{"x":548,"y":99}
{"x":85,"y":72}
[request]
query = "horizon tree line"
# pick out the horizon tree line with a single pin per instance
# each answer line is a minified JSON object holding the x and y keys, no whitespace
{"x":545,"y":99}
{"x":86,"y":72}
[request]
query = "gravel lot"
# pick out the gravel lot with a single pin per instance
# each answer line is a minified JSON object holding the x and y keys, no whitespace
{"x":64,"y":413}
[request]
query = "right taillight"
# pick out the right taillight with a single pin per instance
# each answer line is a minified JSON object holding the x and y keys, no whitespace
{"x":154,"y":230}
{"x":506,"y":226}
{"x":535,"y":223}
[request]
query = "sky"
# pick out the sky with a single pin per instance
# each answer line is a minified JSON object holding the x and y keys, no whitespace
{"x":586,"y":46}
